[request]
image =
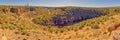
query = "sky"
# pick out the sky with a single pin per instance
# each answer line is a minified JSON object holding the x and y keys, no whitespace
{"x":58,"y":3}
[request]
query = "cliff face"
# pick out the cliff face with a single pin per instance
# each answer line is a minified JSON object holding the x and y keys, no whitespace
{"x":18,"y":11}
{"x":74,"y":16}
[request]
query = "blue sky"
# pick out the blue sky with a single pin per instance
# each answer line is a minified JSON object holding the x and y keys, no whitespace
{"x":56,"y":3}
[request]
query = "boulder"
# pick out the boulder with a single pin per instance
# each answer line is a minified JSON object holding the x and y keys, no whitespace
{"x":116,"y":34}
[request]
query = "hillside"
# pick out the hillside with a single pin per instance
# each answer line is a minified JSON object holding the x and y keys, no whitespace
{"x":58,"y":23}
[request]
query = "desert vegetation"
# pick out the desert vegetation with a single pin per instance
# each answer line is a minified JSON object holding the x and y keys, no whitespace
{"x":57,"y":22}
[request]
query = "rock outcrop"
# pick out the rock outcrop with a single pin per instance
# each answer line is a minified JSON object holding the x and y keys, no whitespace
{"x":19,"y":10}
{"x":116,"y":35}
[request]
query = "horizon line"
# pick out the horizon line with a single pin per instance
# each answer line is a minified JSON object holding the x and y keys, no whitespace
{"x":63,"y":6}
